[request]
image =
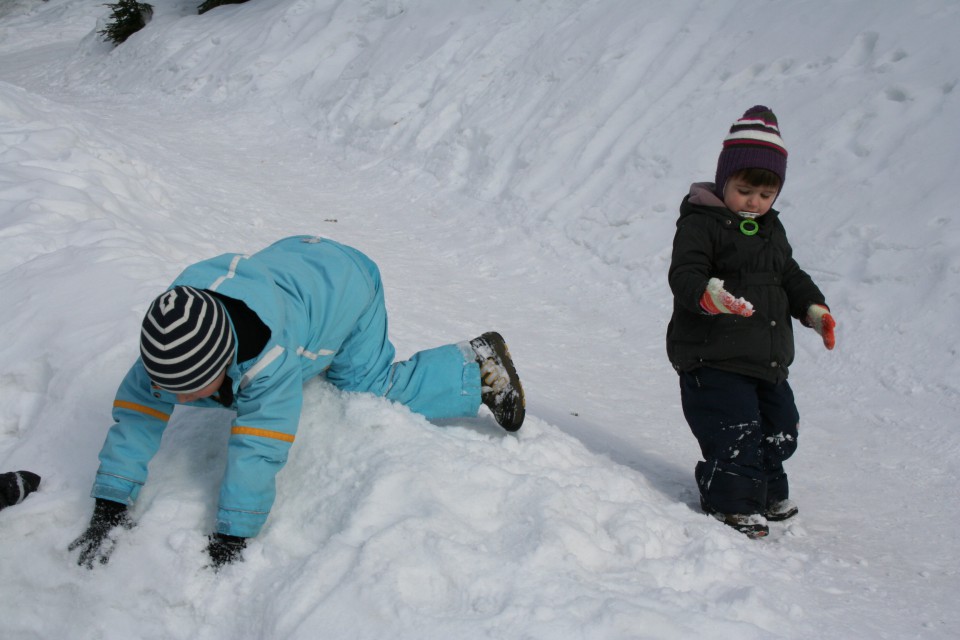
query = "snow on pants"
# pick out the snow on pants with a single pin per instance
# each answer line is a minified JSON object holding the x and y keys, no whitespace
{"x":438,"y":383}
{"x":746,"y":428}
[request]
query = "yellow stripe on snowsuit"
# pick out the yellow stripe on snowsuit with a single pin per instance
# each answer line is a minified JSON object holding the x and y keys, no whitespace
{"x":263,"y":433}
{"x":133,"y":406}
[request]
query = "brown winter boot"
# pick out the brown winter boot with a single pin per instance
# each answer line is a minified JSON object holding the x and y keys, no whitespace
{"x":501,"y":390}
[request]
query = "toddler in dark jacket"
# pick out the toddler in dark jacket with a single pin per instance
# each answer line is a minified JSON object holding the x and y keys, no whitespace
{"x":736,"y":288}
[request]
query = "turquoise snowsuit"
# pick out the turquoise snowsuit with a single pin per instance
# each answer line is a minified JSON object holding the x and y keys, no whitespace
{"x":323,"y":304}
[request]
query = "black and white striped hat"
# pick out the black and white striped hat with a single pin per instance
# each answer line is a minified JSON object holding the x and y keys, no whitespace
{"x":185,"y":340}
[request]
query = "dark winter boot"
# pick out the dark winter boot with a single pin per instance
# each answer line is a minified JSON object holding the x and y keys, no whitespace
{"x":779,"y":507}
{"x":781,"y":510}
{"x":501,"y":390}
{"x":752,"y":525}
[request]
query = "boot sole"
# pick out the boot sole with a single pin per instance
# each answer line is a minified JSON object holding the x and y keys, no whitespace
{"x":499,"y":346}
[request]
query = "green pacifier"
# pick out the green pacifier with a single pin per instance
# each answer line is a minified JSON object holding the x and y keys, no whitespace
{"x":749,"y":227}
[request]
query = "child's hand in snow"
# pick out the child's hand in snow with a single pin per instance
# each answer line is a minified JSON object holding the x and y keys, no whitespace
{"x":820,"y":320}
{"x":224,"y":549}
{"x":716,"y":300}
{"x":98,"y":541}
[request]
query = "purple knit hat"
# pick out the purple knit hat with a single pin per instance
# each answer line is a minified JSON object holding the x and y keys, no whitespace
{"x":754,"y":142}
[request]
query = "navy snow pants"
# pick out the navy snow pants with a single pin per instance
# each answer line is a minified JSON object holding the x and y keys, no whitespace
{"x":746,"y":428}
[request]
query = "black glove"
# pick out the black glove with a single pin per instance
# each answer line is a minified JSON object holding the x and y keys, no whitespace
{"x":96,"y":543}
{"x":15,"y":485}
{"x":224,"y":549}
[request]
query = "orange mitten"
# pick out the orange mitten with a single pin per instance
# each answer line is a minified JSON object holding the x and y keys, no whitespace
{"x":819,"y":318}
{"x":716,"y":300}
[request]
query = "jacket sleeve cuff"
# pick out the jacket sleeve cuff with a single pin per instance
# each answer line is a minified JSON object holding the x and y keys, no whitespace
{"x":243,"y":524}
{"x":115,"y":488}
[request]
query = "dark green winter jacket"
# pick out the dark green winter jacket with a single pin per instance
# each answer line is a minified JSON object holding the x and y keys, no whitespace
{"x":759,"y":268}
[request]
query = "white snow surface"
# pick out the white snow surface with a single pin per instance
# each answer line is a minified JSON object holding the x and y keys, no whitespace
{"x":513,"y":166}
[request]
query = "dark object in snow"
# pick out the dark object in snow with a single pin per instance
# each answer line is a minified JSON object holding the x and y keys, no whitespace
{"x":213,"y":4}
{"x":97,"y":542}
{"x":502,"y":392}
{"x":15,"y":486}
{"x":128,"y":17}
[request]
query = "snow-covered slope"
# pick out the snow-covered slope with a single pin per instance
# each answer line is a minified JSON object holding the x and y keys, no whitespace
{"x":513,"y":166}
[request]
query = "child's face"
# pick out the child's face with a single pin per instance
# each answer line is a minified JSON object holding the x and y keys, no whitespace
{"x":740,"y":195}
{"x":206,"y":392}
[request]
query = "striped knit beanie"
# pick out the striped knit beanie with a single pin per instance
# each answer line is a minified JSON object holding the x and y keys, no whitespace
{"x":754,"y":142}
{"x":185,"y":340}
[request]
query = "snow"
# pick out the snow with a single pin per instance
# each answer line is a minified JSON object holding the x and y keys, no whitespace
{"x":513,"y":166}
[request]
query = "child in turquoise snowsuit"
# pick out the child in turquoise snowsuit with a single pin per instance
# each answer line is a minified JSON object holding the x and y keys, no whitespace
{"x":302,"y":307}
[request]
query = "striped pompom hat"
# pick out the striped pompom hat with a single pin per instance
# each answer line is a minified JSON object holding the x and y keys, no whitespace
{"x":185,"y":341}
{"x":754,"y":142}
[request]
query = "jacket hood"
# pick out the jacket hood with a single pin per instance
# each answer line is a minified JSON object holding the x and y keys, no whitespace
{"x":702,"y":193}
{"x":702,"y":200}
